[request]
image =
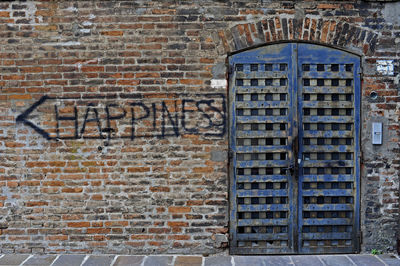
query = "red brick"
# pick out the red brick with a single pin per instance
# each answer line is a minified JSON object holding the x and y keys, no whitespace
{"x":14,"y":77}
{"x":178,"y":224}
{"x":36,"y":203}
{"x":30,"y":183}
{"x":116,"y":223}
{"x":112,"y":33}
{"x":156,"y":39}
{"x":13,"y":231}
{"x":328,"y":6}
{"x":45,"y":13}
{"x":57,"y":238}
{"x":57,"y":164}
{"x":97,"y":197}
{"x":203,"y":170}
{"x":159,"y":230}
{"x":4,"y":14}
{"x":56,"y":82}
{"x":194,"y":202}
{"x":136,"y":244}
{"x":98,"y":231}
{"x":78,"y":224}
{"x":14,"y":145}
{"x":138,"y":169}
{"x":173,"y":60}
{"x":12,"y":184}
{"x":129,"y":82}
{"x":92,"y":68}
{"x":141,"y":237}
{"x":46,"y":27}
{"x":150,"y":47}
{"x":72,"y":189}
{"x":191,"y":81}
{"x":53,"y":183}
{"x":130,"y":26}
{"x":207,"y":60}
{"x":36,"y":164}
{"x":72,"y":217}
{"x":159,"y":189}
{"x":179,"y":237}
{"x":147,"y":75}
{"x":31,"y":69}
{"x":179,"y":209}
{"x":156,"y":243}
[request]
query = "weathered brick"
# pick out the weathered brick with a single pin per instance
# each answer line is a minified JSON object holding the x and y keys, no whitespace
{"x":13,"y":77}
{"x":178,"y":224}
{"x":36,"y":203}
{"x":46,"y":27}
{"x":78,"y":224}
{"x":113,"y":33}
{"x":92,"y":68}
{"x":4,"y":14}
{"x":53,"y":183}
{"x":328,"y":6}
{"x":72,"y":190}
{"x":179,"y":209}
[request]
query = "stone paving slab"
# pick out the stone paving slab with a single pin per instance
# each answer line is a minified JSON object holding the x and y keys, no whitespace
{"x":70,"y":260}
{"x":262,"y":260}
{"x":158,"y":261}
{"x":41,"y":260}
{"x":13,"y":259}
{"x":249,"y":260}
{"x":334,"y":260}
{"x":366,"y":260}
{"x":188,"y":261}
{"x":99,"y":260}
{"x":307,"y":260}
{"x":129,"y":261}
{"x":218,"y":261}
{"x":278,"y":260}
{"x":389,"y":259}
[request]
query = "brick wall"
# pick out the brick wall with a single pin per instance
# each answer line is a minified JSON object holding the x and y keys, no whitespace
{"x":113,"y":122}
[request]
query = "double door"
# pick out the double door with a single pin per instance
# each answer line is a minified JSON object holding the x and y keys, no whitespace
{"x":294,"y":145}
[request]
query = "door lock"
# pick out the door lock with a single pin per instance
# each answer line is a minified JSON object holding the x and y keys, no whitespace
{"x":291,"y":169}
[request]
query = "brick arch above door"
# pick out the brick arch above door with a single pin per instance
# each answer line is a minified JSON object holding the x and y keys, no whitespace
{"x":340,"y":34}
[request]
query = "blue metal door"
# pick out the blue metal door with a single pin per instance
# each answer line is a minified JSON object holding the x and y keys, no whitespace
{"x":294,"y":139}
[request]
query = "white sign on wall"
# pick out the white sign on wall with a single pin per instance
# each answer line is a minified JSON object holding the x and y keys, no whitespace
{"x":385,"y":67}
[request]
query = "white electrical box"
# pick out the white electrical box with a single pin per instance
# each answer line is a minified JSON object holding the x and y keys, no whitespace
{"x":376,"y":133}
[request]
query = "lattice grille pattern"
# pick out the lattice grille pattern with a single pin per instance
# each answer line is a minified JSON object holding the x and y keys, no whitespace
{"x":328,"y":155}
{"x":262,"y":106}
{"x":295,"y":138}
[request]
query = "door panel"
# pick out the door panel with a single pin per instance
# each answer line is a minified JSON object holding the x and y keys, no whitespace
{"x":261,"y":142}
{"x":328,"y":169}
{"x":294,"y":174}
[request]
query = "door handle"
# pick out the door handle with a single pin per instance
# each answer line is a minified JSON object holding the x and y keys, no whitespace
{"x":291,"y":169}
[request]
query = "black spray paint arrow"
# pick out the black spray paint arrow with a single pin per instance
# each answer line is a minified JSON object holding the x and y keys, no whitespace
{"x":22,"y":118}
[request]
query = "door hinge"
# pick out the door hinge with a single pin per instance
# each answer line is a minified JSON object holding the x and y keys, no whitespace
{"x":230,"y":69}
{"x":230,"y":154}
{"x":360,"y":73}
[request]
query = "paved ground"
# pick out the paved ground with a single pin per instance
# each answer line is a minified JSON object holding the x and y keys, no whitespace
{"x":178,"y":260}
